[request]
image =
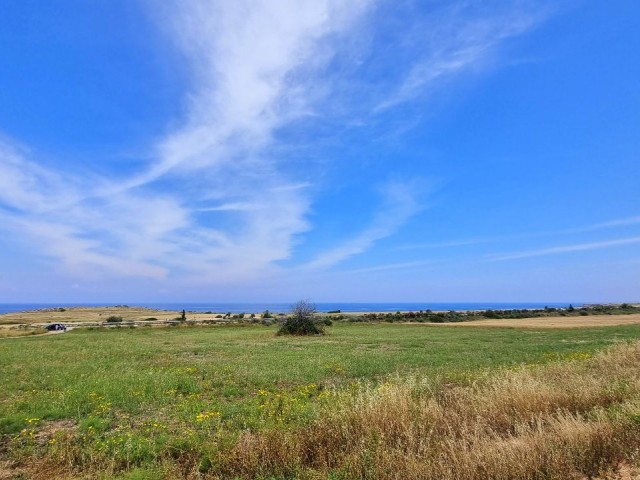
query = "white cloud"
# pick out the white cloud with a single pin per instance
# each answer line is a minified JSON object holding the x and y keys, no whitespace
{"x":55,"y":212}
{"x":24,"y":185}
{"x":611,"y":224}
{"x":564,"y":249}
{"x":250,"y":62}
{"x":392,"y":266}
{"x":216,"y":196}
{"x":618,"y":222}
{"x":456,"y":39}
{"x":400,"y":204}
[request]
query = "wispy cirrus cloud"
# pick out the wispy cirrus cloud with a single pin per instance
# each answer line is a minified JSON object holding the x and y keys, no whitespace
{"x":218,"y":194}
{"x":257,"y":66}
{"x":457,"y":38}
{"x":618,"y":222}
{"x":58,"y":213}
{"x":579,"y":247}
{"x":610,"y":224}
{"x":400,"y":204}
{"x":230,"y":206}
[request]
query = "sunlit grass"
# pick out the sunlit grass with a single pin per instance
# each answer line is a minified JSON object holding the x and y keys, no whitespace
{"x":121,"y":398}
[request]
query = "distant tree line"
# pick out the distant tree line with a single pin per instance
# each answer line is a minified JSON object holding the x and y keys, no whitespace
{"x":464,"y":316}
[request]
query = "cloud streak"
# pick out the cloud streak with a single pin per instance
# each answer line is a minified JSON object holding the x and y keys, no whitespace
{"x":461,"y":37}
{"x":580,"y":247}
{"x":399,"y":206}
{"x":611,"y":224}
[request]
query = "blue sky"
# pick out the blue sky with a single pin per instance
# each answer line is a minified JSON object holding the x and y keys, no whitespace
{"x":272,"y":150}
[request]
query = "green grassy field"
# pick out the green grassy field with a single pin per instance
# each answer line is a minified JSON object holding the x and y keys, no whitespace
{"x":115,"y":400}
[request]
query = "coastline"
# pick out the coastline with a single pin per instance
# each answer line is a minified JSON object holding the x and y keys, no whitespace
{"x":284,"y":307}
{"x":138,"y":316}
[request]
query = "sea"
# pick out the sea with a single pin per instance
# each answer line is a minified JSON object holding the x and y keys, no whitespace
{"x":256,"y":307}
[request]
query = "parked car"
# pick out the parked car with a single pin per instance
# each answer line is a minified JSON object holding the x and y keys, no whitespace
{"x":56,"y":327}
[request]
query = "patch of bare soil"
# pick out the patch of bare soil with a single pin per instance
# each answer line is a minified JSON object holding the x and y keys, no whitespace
{"x":553,"y":322}
{"x":50,"y":429}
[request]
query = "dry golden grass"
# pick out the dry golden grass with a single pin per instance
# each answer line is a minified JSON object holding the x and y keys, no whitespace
{"x":548,"y":322}
{"x":13,"y":332}
{"x":573,"y":420}
{"x":83,"y":314}
{"x":79,"y":315}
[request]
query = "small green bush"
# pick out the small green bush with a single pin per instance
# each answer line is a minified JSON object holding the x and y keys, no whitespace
{"x":114,"y":319}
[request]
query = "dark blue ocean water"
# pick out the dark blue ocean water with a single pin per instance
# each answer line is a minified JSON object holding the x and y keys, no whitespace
{"x":222,"y":307}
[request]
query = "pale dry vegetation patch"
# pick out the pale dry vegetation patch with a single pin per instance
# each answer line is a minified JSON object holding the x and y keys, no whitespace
{"x":576,"y":419}
{"x":13,"y":332}
{"x":553,"y":322}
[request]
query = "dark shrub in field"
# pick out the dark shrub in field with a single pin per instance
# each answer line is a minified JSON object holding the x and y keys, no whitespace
{"x":114,"y":319}
{"x":302,"y":320}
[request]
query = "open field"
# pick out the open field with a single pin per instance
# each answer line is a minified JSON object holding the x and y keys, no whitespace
{"x":94,"y":315}
{"x":234,"y":401}
{"x":21,"y":322}
{"x":555,"y":322}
